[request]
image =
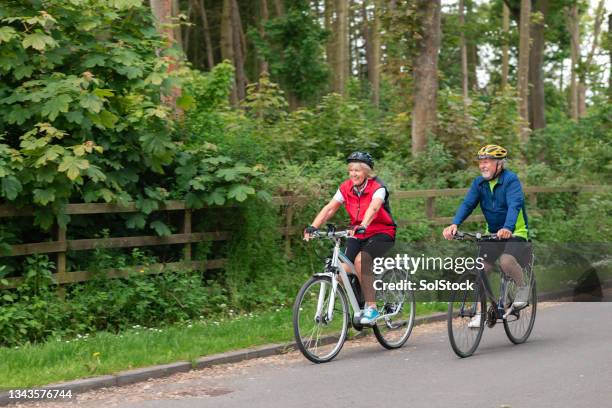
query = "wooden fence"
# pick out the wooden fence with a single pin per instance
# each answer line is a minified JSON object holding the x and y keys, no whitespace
{"x":60,"y":244}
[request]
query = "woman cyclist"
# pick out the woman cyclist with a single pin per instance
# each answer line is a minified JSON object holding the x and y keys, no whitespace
{"x":366,"y":200}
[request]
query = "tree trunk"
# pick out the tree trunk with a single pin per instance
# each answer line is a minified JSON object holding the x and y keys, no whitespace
{"x":523,"y":67}
{"x":264,"y":14}
{"x":176,"y":10}
{"x":162,"y":11}
{"x":610,"y":55}
{"x":464,"y":61}
{"x":574,"y":27}
{"x":599,"y":16}
{"x":188,"y":29}
{"x":561,"y":72}
{"x":471,"y":49}
{"x":341,"y":49}
{"x":506,"y":29}
{"x":205,"y":27}
{"x":227,"y":42}
{"x":239,"y":52}
{"x":353,"y":58}
{"x":426,"y":75}
{"x":372,"y":37}
{"x":537,"y":119}
{"x":330,"y":45}
{"x":279,"y":7}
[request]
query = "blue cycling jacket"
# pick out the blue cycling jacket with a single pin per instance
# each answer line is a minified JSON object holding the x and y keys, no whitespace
{"x":500,"y":207}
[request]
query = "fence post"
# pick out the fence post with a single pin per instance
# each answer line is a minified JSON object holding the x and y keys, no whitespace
{"x":187,"y":230}
{"x":288,"y":228}
{"x":60,"y":266}
{"x":533,"y":200}
{"x":430,"y":208}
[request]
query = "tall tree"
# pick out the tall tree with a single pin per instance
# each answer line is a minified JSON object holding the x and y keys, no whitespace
{"x":233,"y":47}
{"x":372,"y":38}
{"x":523,"y":66}
{"x":264,"y":16}
{"x":536,"y":67}
{"x":176,"y":11}
{"x":239,"y":51}
{"x":426,"y":75}
{"x":227,"y":42}
{"x":206,"y":29}
{"x":464,"y":58}
{"x":341,"y":67}
{"x":279,"y":7}
{"x":573,"y":21}
{"x":586,"y":66}
{"x":505,"y":57}
{"x":609,"y":43}
{"x":162,"y":12}
{"x":471,"y":45}
{"x":330,"y":45}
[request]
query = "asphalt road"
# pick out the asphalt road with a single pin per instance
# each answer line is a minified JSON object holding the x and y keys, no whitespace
{"x":567,"y":362}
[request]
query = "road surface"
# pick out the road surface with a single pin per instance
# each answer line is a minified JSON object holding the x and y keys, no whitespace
{"x":567,"y":362}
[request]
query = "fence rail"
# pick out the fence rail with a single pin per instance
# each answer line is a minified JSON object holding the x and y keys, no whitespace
{"x":60,"y":244}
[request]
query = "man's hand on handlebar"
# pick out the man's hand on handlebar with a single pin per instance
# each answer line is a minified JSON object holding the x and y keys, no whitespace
{"x":450,"y":231}
{"x":504,"y":233}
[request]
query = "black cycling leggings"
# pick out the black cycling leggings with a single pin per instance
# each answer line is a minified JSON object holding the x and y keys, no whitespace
{"x":375,"y":246}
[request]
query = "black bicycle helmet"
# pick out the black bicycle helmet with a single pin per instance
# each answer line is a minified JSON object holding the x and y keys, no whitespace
{"x":362,"y":157}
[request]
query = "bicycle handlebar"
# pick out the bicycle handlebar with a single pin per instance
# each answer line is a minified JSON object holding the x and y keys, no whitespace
{"x":332,"y":233}
{"x":477,"y":236}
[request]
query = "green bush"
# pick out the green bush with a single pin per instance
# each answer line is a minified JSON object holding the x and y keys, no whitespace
{"x":82,"y":118}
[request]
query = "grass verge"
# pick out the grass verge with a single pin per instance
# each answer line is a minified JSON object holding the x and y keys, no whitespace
{"x":108,"y":353}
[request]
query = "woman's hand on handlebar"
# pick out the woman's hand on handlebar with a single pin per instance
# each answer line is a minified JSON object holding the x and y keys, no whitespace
{"x":309,"y":232}
{"x":357,"y":229}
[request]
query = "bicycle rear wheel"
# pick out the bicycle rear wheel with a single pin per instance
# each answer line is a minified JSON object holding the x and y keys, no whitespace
{"x":462,"y":308}
{"x":318,"y":335}
{"x":519,"y":324}
{"x":393,"y":331}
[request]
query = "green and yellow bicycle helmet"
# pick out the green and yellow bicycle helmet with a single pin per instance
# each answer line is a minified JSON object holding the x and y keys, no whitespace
{"x":492,"y":152}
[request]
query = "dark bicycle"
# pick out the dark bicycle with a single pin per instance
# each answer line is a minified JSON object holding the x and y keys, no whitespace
{"x":464,"y":305}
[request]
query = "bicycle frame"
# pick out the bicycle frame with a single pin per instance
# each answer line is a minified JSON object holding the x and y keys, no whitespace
{"x":335,"y":269}
{"x":500,"y":306}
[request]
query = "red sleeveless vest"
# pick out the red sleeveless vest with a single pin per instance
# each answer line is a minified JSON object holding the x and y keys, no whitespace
{"x":356,"y":205}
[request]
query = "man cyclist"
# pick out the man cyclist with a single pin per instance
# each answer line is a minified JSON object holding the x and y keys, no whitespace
{"x":501,"y":198}
{"x":366,"y":200}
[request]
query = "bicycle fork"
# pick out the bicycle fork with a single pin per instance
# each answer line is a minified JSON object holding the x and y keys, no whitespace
{"x":330,"y":305}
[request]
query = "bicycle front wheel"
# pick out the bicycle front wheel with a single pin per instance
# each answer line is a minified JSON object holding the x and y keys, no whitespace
{"x":318,"y":333}
{"x":398,"y":310}
{"x":519,"y":324}
{"x":463,"y":310}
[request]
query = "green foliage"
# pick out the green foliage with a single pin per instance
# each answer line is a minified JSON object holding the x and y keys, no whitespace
{"x":293,"y":48}
{"x":34,"y":312}
{"x":463,"y":130}
{"x":581,"y":150}
{"x":265,"y":101}
{"x":80,"y":102}
{"x":82,"y":118}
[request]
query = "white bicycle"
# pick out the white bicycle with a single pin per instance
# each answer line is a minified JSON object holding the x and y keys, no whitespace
{"x":321,"y":314}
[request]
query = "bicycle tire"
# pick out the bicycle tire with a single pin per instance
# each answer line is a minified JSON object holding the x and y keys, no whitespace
{"x":328,"y":336}
{"x":462,"y":307}
{"x":393,"y":332}
{"x":519,"y":330}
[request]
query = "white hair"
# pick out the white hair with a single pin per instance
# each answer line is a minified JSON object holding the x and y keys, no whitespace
{"x":368,"y":170}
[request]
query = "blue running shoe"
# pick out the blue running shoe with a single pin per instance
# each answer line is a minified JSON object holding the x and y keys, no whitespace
{"x":369,"y":315}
